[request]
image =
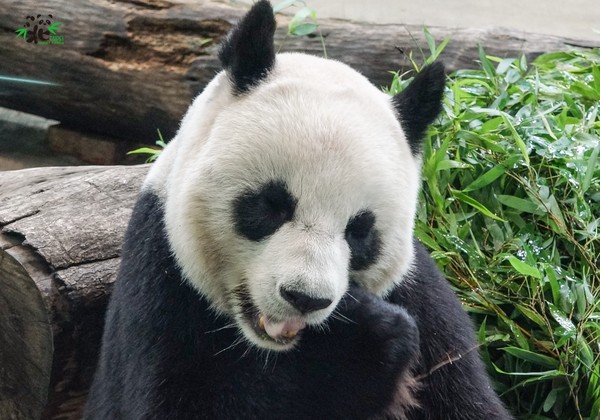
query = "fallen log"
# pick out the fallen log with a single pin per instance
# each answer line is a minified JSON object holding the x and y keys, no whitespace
{"x":60,"y":239}
{"x":128,"y":67}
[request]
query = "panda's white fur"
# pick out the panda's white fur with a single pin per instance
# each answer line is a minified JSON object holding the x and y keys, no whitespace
{"x":335,"y":140}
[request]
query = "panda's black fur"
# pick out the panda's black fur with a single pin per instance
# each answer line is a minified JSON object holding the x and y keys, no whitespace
{"x":168,"y":354}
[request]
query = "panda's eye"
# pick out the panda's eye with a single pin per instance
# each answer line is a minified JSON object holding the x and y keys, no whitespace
{"x":259,"y":213}
{"x":363,"y":239}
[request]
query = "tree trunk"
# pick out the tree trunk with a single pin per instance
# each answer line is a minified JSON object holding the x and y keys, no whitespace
{"x":128,"y":67}
{"x":60,"y":240}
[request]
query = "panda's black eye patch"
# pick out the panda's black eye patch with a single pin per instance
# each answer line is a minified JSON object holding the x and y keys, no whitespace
{"x":259,"y":213}
{"x":363,"y":239}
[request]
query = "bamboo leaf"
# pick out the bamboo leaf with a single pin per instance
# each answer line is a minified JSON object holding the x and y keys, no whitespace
{"x":561,"y":318}
{"x":592,"y":166}
{"x":538,"y":359}
{"x":286,"y":3}
{"x":144,"y":150}
{"x":476,"y":204}
{"x":486,"y":64}
{"x":519,"y":204}
{"x":304,"y":29}
{"x":524,"y":268}
{"x":516,"y":137}
{"x":430,"y":40}
{"x":596,"y":80}
{"x":452,"y":164}
{"x":532,"y":315}
{"x":486,"y":179}
{"x":550,"y":400}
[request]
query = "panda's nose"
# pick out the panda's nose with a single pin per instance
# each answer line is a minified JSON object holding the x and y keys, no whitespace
{"x":303,"y":302}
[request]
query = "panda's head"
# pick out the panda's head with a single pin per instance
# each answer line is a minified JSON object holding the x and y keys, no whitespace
{"x":290,"y":177}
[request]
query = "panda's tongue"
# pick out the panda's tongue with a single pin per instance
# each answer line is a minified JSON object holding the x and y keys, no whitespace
{"x":281,"y":329}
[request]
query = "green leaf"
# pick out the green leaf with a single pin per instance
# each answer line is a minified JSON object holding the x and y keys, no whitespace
{"x":542,"y":376}
{"x":486,"y":179}
{"x":476,"y":204}
{"x":438,"y":51}
{"x":524,"y":268}
{"x":452,"y":164}
{"x":585,"y":90}
{"x":529,"y":356}
{"x":516,"y":333}
{"x":504,"y":65}
{"x":486,"y":64}
{"x":303,"y":14}
{"x":555,"y":210}
{"x":532,"y":315}
{"x":519,"y":204}
{"x":596,"y":80}
{"x":54,"y":27}
{"x":304,"y":29}
{"x":22,"y":32}
{"x":430,"y":40}
{"x":585,"y":352}
{"x":592,"y":166}
{"x":516,"y":137}
{"x":561,"y":318}
{"x":482,"y":331}
{"x":144,"y":150}
{"x":551,"y":58}
{"x":553,"y":280}
{"x":287,"y":3}
{"x":298,"y":26}
{"x":550,"y":400}
{"x":426,"y":239}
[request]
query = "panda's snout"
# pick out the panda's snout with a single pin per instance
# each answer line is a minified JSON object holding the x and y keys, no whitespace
{"x":303,"y":302}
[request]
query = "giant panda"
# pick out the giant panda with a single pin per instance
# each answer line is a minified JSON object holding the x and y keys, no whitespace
{"x":269,"y":269}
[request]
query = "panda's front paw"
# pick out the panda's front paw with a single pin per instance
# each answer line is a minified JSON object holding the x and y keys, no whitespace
{"x":381,"y":330}
{"x":368,"y":330}
{"x":363,"y":352}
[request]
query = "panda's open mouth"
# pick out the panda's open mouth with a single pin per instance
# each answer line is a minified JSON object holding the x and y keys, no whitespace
{"x":281,"y":333}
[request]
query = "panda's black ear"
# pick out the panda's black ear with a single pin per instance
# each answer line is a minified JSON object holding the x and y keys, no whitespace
{"x":248,"y":53}
{"x":420,"y":103}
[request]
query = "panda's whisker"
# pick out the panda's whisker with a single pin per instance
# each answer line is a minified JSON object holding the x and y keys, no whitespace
{"x":266,"y":363}
{"x":235,"y":343}
{"x":274,"y":364}
{"x":245,"y":353}
{"x":350,"y":295}
{"x":323,"y":328}
{"x":224,"y":327}
{"x":340,"y":317}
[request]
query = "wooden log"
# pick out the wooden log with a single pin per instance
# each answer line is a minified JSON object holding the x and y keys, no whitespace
{"x":25,"y":342}
{"x":60,"y":238}
{"x":128,"y":67}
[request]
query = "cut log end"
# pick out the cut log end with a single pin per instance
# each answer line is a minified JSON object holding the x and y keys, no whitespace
{"x":25,"y":342}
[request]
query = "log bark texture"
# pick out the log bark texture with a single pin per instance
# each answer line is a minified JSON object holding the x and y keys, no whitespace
{"x":60,"y":239}
{"x":128,"y":67}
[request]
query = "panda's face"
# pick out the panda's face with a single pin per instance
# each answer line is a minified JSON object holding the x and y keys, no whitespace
{"x":279,"y":195}
{"x":290,"y":193}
